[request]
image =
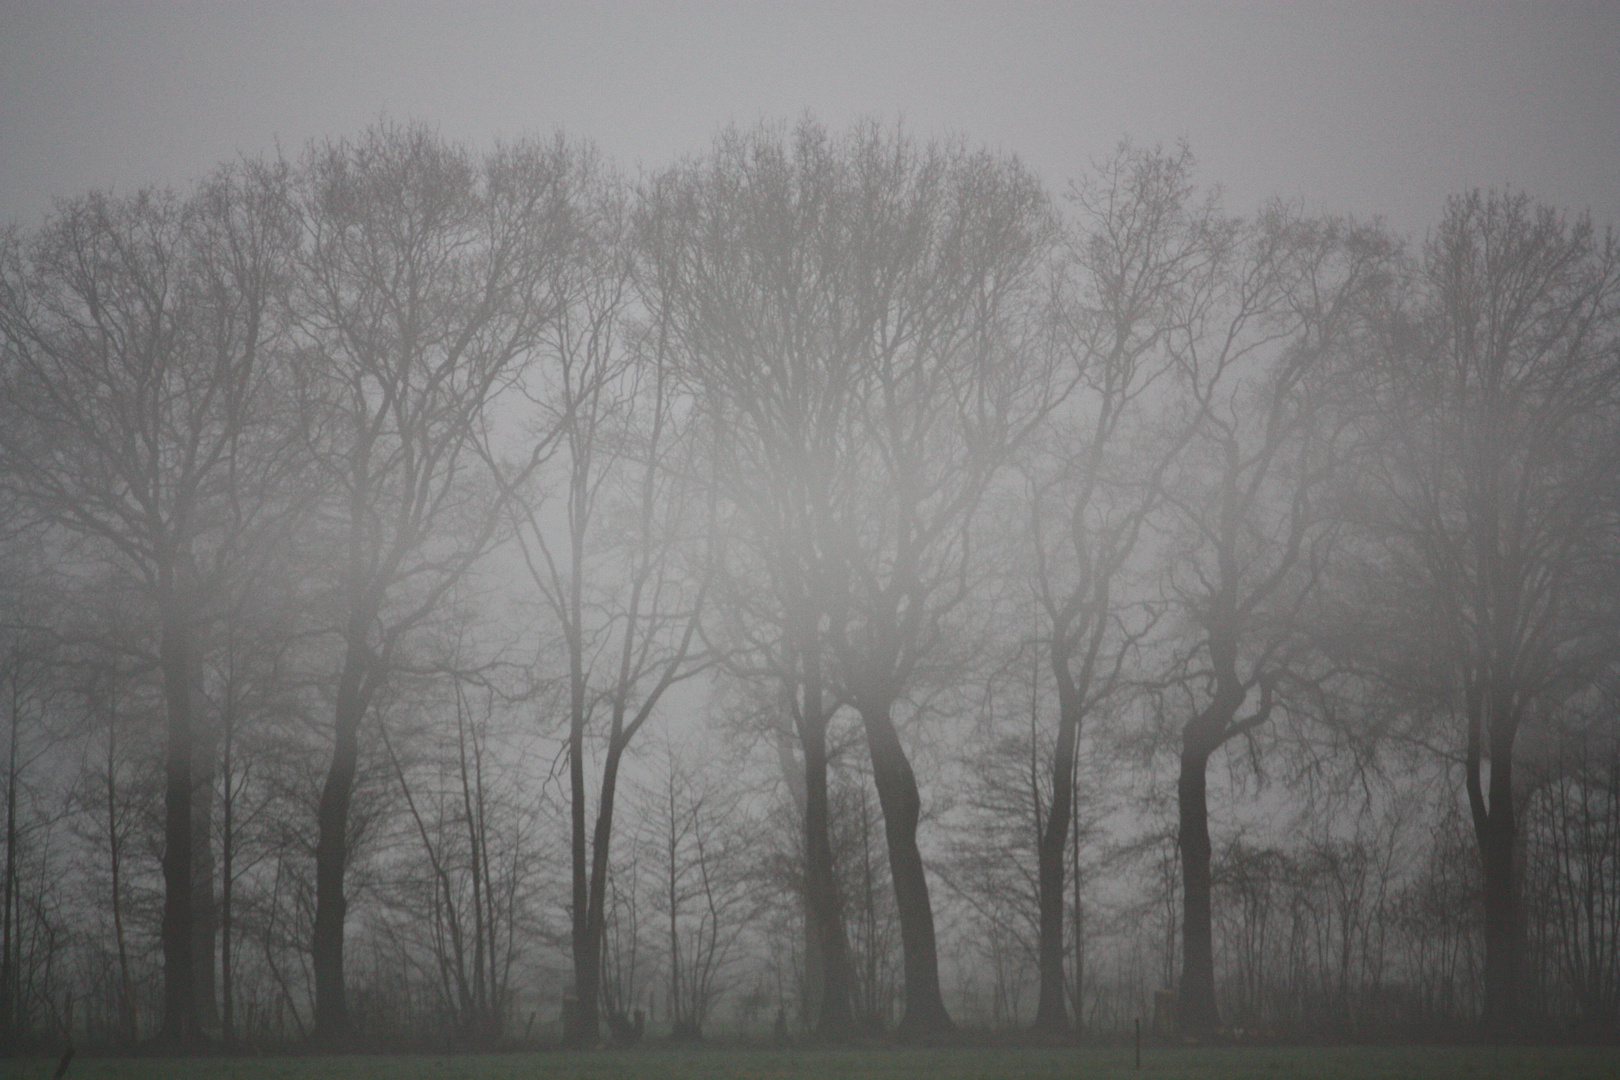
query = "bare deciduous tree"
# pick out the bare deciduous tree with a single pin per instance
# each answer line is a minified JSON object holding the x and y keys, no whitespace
{"x":1248,"y":501}
{"x":696,"y":842}
{"x":618,"y":564}
{"x":140,"y":361}
{"x":1140,"y":259}
{"x":1501,"y":393}
{"x":853,"y":316}
{"x":425,"y":279}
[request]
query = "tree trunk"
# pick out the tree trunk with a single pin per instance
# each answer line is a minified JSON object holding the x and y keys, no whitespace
{"x":825,"y":922}
{"x":897,"y":794}
{"x":1496,"y":832}
{"x":1196,"y":1010}
{"x":331,"y":847}
{"x":175,"y":657}
{"x":8,"y":969}
{"x":676,"y":1015}
{"x":795,"y":774}
{"x":128,"y":1029}
{"x":588,"y":975}
{"x":581,"y":1020}
{"x":227,"y":855}
{"x":1078,"y":986}
{"x":1051,"y":1017}
{"x":204,"y":910}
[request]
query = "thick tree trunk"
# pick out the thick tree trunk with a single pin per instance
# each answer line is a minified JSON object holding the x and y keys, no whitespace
{"x":794,"y":773}
{"x":1197,"y":1014}
{"x":1051,"y":1015}
{"x":1503,"y":944}
{"x":897,"y":794}
{"x":825,"y":922}
{"x":332,"y":845}
{"x":176,"y":658}
{"x":582,"y":1019}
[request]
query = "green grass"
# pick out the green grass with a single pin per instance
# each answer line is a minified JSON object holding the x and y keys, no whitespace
{"x":1338,"y":1063}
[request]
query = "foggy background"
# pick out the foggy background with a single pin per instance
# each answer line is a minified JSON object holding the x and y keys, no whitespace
{"x":1365,"y":109}
{"x":1351,"y":886}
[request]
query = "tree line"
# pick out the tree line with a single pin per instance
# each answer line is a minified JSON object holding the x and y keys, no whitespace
{"x":486,"y":593}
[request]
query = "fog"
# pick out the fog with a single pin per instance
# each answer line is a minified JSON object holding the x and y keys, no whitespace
{"x":673,"y":525}
{"x":1370,"y":112}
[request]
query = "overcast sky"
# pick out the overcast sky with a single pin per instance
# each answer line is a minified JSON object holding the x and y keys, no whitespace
{"x":1358,"y":107}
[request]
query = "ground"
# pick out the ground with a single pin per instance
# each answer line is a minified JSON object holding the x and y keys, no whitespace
{"x":1310,"y":1063}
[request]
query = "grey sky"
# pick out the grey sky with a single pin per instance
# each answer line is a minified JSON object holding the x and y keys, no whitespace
{"x":1361,"y":107}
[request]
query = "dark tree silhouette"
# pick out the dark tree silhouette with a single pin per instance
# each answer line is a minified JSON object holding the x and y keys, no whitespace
{"x":1501,"y":395}
{"x":140,"y":379}
{"x":854,"y":315}
{"x":1248,"y":504}
{"x":1139,"y":253}
{"x":425,"y":278}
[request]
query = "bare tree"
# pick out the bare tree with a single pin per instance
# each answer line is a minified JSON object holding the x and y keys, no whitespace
{"x":618,"y":564}
{"x":465,"y":909}
{"x":1247,"y":498}
{"x":111,"y":688}
{"x":1571,"y":829}
{"x":425,"y":279}
{"x":849,"y":313}
{"x":139,"y":344}
{"x":958,"y":379}
{"x":22,"y":690}
{"x":1141,"y":257}
{"x":1500,"y":391}
{"x":743,"y":287}
{"x":695,"y":842}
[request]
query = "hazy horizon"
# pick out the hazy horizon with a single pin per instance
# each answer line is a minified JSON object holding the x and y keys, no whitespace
{"x":1369,"y":109}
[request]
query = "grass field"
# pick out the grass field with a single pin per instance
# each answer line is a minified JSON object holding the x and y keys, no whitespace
{"x":1338,"y":1063}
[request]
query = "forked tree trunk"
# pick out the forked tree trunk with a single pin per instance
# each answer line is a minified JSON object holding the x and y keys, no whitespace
{"x":1196,"y":1010}
{"x":588,"y":952}
{"x":897,"y":794}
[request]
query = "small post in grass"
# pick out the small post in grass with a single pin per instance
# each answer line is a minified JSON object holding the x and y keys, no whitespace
{"x":1138,"y":1042}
